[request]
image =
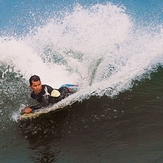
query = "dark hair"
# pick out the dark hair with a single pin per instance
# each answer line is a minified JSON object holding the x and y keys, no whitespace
{"x":34,"y":78}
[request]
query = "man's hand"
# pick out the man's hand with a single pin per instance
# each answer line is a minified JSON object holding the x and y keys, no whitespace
{"x":27,"y":110}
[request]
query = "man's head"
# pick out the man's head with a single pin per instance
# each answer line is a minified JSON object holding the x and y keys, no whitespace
{"x":35,"y":84}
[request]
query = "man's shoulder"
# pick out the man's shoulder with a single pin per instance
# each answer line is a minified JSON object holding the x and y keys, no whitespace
{"x":45,"y":85}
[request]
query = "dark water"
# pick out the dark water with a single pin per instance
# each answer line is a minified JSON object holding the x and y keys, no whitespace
{"x":127,"y":128}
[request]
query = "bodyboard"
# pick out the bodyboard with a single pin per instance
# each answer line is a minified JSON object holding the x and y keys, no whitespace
{"x":38,"y":113}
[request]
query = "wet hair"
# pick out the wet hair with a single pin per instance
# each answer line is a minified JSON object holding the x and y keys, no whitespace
{"x":34,"y":78}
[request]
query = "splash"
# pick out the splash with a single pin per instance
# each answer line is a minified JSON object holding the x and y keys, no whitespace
{"x":99,"y":47}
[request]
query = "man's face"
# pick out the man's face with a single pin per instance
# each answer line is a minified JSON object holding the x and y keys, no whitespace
{"x":36,"y":86}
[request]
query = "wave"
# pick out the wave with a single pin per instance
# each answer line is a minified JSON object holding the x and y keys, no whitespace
{"x":99,"y":47}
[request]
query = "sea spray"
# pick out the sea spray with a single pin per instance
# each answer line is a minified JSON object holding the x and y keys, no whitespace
{"x":99,"y":47}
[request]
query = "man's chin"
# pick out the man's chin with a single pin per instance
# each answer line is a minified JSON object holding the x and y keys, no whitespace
{"x":37,"y":92}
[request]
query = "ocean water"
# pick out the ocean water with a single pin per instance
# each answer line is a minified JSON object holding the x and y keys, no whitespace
{"x":113,"y":50}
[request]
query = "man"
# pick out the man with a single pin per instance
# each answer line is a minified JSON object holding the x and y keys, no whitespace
{"x":44,"y":94}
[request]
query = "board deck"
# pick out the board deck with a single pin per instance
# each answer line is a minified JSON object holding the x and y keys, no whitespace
{"x":30,"y":115}
{"x":40,"y":112}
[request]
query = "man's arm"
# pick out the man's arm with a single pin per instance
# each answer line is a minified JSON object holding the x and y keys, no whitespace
{"x":45,"y":102}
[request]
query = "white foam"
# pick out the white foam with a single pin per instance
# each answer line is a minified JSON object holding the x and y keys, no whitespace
{"x":99,"y":47}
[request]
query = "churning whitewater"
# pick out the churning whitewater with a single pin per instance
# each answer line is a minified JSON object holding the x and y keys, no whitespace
{"x":99,"y":47}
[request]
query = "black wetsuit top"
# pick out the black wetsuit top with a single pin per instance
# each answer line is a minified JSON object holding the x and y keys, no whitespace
{"x":45,"y":99}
